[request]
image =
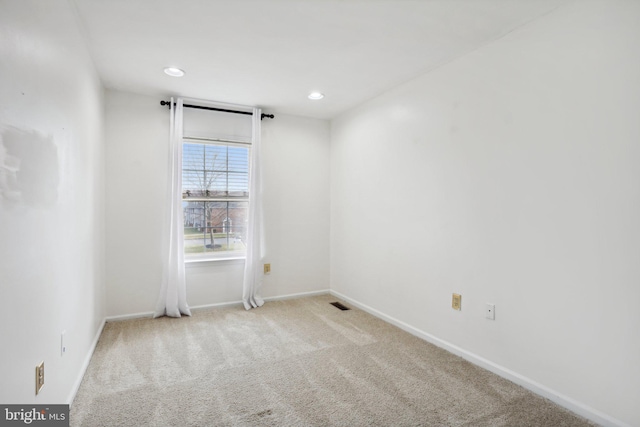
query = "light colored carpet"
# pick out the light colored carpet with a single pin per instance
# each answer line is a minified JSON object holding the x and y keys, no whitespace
{"x":297,"y":362}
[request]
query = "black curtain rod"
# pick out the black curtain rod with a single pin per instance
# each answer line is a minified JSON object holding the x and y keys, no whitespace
{"x":200,"y":107}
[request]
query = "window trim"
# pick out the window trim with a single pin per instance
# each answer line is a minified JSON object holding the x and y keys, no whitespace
{"x":214,"y":141}
{"x":200,"y":261}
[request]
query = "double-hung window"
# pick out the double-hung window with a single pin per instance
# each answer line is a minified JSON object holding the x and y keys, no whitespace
{"x":215,"y":198}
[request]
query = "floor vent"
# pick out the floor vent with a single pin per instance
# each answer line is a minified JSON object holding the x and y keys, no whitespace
{"x":340,"y":306}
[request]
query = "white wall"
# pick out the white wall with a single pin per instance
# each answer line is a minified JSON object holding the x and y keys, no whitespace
{"x":136,"y":132}
{"x":509,"y":175}
{"x":51,"y":201}
{"x":296,"y":165}
{"x":296,"y":197}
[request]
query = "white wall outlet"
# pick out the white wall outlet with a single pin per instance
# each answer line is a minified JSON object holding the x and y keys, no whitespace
{"x":490,"y":311}
{"x":63,"y":347}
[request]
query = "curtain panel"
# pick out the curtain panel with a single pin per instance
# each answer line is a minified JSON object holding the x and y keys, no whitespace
{"x":173,"y":290}
{"x":252,"y":272}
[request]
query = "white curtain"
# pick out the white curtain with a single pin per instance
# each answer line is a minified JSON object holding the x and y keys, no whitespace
{"x":173,"y":290}
{"x":252,"y":271}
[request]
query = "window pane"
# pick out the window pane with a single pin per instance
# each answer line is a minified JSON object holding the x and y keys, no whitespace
{"x":216,"y":157}
{"x":194,"y":227}
{"x":238,"y":159}
{"x":218,"y":227}
{"x":214,"y":171}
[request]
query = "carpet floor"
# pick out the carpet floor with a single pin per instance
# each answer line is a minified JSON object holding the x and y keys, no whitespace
{"x":300,"y":362}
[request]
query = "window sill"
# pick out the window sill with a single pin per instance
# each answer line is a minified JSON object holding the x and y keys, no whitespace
{"x":201,"y":261}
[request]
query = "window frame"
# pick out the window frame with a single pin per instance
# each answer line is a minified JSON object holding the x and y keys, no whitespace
{"x":220,"y":255}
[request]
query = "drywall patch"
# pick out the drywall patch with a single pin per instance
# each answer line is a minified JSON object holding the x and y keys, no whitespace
{"x":29,"y":172}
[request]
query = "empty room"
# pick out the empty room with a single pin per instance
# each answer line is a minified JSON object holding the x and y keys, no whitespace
{"x":320,"y":212}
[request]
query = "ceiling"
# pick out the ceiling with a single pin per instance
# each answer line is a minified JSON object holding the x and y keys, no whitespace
{"x":272,"y":53}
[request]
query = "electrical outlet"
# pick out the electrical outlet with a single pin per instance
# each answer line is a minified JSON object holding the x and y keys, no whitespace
{"x":267,"y":268}
{"x":490,"y":311}
{"x":456,"y":302}
{"x":39,"y":377}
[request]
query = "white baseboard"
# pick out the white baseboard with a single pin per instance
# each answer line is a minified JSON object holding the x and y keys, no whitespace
{"x":298,"y":295}
{"x":266,"y":299}
{"x":542,"y":390}
{"x":128,"y":316}
{"x":217,"y":305}
{"x":85,"y":365}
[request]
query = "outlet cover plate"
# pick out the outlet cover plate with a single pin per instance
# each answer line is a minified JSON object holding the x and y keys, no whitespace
{"x":39,"y":377}
{"x":456,"y":302}
{"x":490,"y":311}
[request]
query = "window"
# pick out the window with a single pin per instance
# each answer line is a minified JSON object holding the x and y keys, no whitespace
{"x":215,"y":198}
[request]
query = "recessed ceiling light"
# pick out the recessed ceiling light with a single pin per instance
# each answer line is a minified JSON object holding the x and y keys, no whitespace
{"x":316,"y":95}
{"x":174,"y":72}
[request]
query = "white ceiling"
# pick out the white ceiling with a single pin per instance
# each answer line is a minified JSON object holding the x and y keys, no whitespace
{"x":272,"y":53}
